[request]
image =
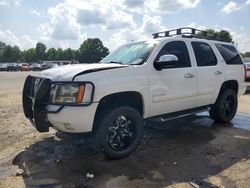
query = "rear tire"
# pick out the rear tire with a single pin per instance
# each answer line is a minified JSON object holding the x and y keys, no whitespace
{"x":119,"y":131}
{"x":225,"y":107}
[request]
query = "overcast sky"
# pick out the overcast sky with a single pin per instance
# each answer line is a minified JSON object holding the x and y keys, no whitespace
{"x":66,"y":23}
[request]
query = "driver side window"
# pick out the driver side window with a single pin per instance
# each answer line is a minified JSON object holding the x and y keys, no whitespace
{"x":179,"y":49}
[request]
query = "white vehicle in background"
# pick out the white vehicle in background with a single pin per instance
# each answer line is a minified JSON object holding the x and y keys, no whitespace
{"x":54,"y":65}
{"x":3,"y":66}
{"x":173,"y":75}
{"x":36,"y":67}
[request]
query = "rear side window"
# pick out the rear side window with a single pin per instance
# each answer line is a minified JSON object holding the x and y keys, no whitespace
{"x":179,"y":49}
{"x":229,"y":54}
{"x":204,"y":54}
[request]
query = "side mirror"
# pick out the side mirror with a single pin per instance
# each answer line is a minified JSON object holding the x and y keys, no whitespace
{"x":166,"y":61}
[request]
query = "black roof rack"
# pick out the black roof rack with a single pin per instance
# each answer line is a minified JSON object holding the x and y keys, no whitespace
{"x":187,"y":32}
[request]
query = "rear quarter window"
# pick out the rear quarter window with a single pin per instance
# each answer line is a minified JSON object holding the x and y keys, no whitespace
{"x":229,"y":54}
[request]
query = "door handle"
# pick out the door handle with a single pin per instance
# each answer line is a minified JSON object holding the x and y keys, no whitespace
{"x":189,"y":75}
{"x":218,"y":72}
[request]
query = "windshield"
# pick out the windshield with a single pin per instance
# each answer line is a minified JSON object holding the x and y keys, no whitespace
{"x":130,"y":54}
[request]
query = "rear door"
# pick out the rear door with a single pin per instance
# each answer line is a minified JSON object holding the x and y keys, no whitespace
{"x":209,"y":73}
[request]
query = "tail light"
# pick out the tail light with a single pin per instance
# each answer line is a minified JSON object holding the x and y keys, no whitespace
{"x":245,"y":68}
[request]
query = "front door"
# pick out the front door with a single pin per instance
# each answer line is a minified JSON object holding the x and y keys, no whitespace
{"x":173,"y":89}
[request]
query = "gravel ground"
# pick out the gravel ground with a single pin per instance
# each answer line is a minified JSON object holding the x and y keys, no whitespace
{"x":187,"y":152}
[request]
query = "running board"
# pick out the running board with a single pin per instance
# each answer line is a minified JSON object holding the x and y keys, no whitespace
{"x":180,"y":114}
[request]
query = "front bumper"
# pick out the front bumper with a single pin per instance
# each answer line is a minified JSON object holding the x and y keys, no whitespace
{"x":43,"y":115}
{"x":73,"y":119}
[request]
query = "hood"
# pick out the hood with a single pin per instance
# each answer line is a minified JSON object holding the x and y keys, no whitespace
{"x":69,"y":72}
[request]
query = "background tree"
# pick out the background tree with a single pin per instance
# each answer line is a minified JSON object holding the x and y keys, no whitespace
{"x":15,"y":54}
{"x":59,"y":54}
{"x":92,"y":50}
{"x":40,"y":51}
{"x":51,"y":54}
{"x":2,"y":47}
{"x":75,"y":54}
{"x":68,"y":54}
{"x":225,"y":36}
{"x":222,"y":35}
{"x":246,"y":54}
{"x":30,"y":55}
{"x":7,"y":54}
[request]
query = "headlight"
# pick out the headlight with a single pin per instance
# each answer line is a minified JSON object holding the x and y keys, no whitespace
{"x":71,"y":93}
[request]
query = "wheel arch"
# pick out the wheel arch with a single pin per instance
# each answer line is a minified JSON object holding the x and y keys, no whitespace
{"x":229,"y":84}
{"x":128,"y":98}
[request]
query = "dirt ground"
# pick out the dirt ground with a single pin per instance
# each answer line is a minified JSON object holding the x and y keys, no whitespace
{"x":184,"y":153}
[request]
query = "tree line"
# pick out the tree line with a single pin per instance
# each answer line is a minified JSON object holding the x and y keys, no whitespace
{"x":221,"y":35}
{"x":91,"y":50}
{"x":246,"y":54}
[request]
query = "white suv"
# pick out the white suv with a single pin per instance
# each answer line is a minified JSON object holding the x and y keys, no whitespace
{"x":168,"y":76}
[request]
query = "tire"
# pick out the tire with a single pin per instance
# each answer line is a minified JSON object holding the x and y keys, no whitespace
{"x":119,"y":132}
{"x":225,"y":107}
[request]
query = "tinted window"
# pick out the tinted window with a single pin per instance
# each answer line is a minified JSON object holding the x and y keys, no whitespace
{"x":229,"y":54}
{"x":179,"y":49}
{"x":204,"y":54}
